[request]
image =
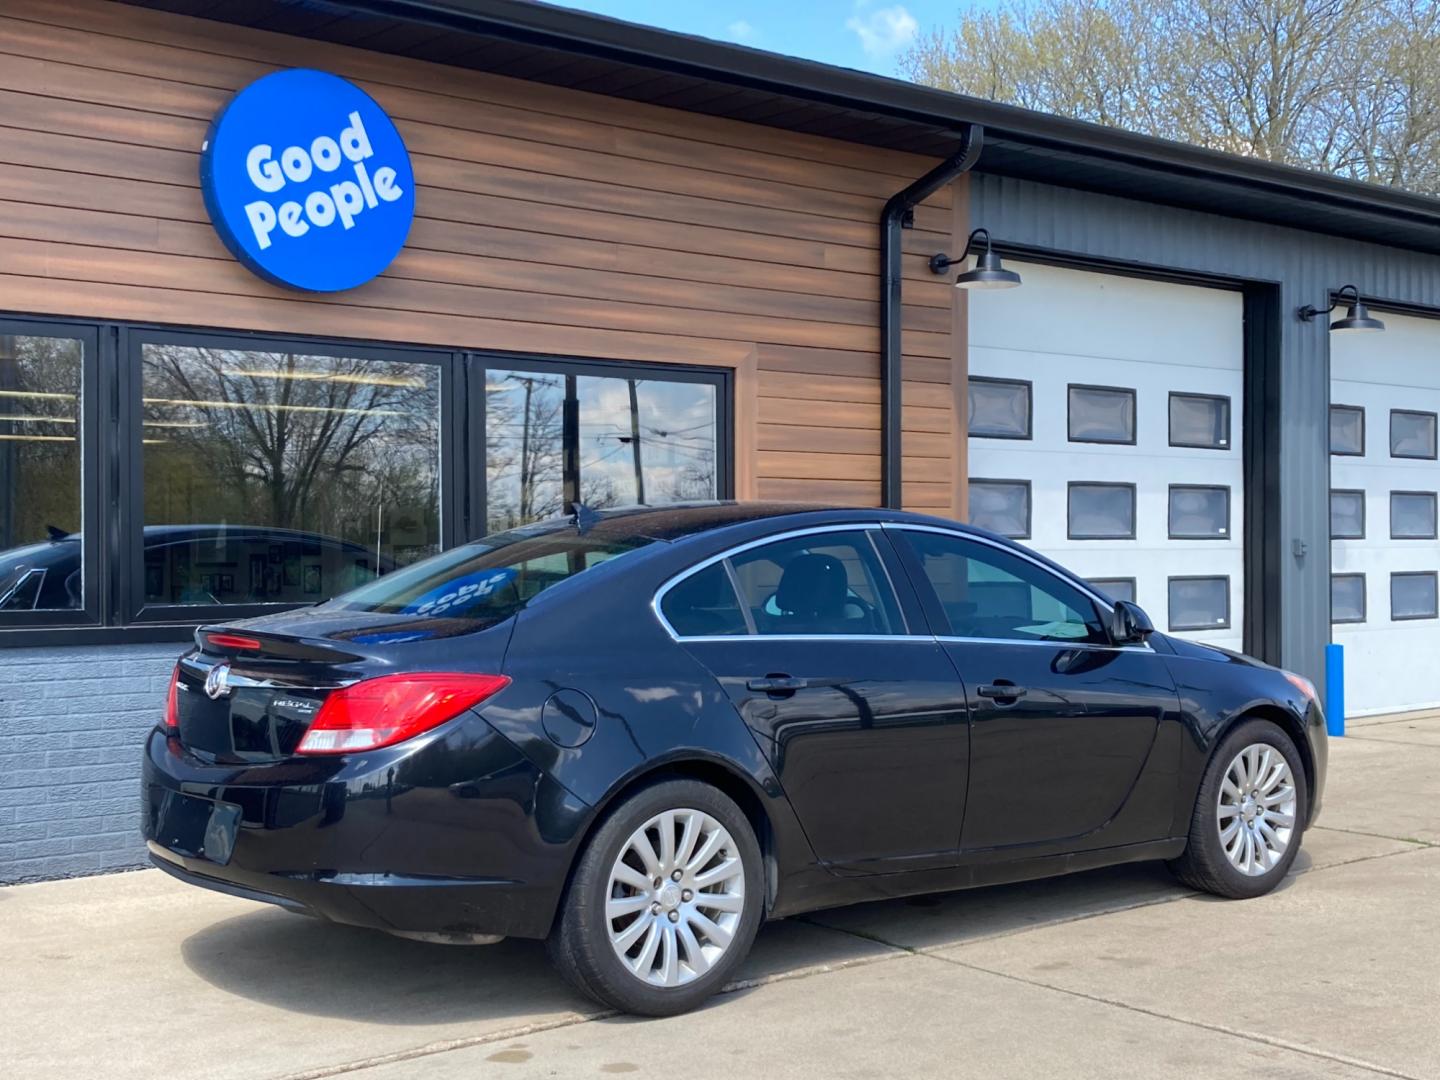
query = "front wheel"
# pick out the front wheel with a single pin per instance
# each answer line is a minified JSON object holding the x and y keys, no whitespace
{"x":664,"y":902}
{"x":1246,"y":826}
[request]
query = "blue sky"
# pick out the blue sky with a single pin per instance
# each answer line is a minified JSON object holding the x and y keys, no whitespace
{"x":865,"y":34}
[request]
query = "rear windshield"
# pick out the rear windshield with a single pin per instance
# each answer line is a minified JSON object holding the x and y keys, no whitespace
{"x":489,"y":580}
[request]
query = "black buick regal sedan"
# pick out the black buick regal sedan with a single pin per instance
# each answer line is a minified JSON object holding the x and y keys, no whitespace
{"x":640,"y":733}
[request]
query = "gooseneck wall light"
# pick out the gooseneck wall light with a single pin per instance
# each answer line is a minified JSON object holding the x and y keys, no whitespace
{"x":1357,"y":315}
{"x":987,"y":273}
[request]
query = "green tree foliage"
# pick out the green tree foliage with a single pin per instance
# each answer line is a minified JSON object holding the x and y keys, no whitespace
{"x":1346,"y":86}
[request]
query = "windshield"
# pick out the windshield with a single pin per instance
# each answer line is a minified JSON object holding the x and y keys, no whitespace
{"x":489,"y":580}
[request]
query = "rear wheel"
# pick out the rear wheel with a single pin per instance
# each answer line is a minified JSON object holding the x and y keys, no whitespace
{"x":664,"y":902}
{"x":1246,"y":826}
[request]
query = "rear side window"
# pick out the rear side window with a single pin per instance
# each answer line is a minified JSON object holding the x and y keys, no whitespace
{"x":704,"y":605}
{"x":992,"y":594}
{"x":824,"y":583}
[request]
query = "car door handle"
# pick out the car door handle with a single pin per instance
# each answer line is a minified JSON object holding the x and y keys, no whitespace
{"x":1001,"y":691}
{"x":777,"y":684}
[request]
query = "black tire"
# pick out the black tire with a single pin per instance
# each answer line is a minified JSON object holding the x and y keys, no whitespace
{"x":1204,"y":865}
{"x":579,"y":944}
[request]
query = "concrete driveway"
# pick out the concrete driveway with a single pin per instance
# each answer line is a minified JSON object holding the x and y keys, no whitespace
{"x":1110,"y":973}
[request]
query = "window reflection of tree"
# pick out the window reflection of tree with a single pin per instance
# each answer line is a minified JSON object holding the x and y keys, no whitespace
{"x":338,"y":446}
{"x":39,"y":437}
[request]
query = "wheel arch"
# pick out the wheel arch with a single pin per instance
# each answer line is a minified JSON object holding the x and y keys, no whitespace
{"x":725,"y":776}
{"x":1286,"y":720}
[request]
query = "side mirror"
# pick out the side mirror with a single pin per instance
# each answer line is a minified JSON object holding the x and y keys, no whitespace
{"x":1129,"y":624}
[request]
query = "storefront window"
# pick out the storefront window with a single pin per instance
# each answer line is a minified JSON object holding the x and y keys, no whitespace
{"x":281,"y":477}
{"x":552,"y":439}
{"x":41,"y":563}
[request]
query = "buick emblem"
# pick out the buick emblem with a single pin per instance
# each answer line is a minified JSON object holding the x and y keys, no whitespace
{"x":217,"y":683}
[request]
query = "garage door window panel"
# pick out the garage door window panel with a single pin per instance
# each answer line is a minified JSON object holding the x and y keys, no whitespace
{"x":1200,"y":421}
{"x":1116,"y":588}
{"x":1347,"y":514}
{"x":831,"y":583}
{"x":1412,"y":434}
{"x":1000,"y":408}
{"x":1002,"y":506}
{"x":1412,"y":515}
{"x":1347,"y":431}
{"x":1199,"y":512}
{"x":1099,"y":511}
{"x":1101,"y":414}
{"x":1199,"y":603}
{"x":1347,"y":598}
{"x":1412,"y":596}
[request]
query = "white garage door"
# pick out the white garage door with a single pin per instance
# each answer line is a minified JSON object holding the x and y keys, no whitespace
{"x":1105,"y":422}
{"x":1384,"y":394}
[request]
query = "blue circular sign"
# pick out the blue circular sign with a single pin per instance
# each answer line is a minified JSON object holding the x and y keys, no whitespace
{"x":308,"y":182}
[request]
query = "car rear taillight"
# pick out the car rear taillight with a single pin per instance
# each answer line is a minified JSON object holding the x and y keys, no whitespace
{"x":236,"y":642}
{"x":392,"y":708}
{"x":172,"y":703}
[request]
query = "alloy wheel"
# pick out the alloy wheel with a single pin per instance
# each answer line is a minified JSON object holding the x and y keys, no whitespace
{"x":1255,"y":809}
{"x":675,"y":897}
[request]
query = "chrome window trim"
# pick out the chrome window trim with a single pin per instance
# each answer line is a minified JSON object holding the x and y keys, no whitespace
{"x":659,"y":598}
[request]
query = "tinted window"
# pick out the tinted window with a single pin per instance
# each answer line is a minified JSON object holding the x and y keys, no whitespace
{"x":999,"y":408}
{"x":1002,"y":506}
{"x":1412,"y":596}
{"x":1102,"y":511}
{"x":1347,"y":515}
{"x":1200,"y":420}
{"x":1347,"y":430}
{"x":989,"y":593}
{"x":488,"y":581}
{"x":1412,"y":434}
{"x":1199,"y":513}
{"x":825,"y":583}
{"x":1102,"y":414}
{"x":1116,"y":588}
{"x":39,"y":472}
{"x":1199,"y":603}
{"x":1347,"y":598}
{"x":704,"y":605}
{"x":1412,"y":515}
{"x":340,"y":454}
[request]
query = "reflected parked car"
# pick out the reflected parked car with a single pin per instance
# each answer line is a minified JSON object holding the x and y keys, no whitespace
{"x":638,"y":734}
{"x":198,"y":564}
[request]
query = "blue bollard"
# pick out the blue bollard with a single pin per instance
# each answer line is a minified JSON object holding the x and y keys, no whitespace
{"x":1335,"y":689}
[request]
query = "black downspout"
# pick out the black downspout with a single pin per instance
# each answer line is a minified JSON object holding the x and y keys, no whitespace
{"x":896,"y":216}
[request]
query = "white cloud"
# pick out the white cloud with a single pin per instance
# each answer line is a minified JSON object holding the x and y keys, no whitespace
{"x":884,"y":31}
{"x":740,"y":30}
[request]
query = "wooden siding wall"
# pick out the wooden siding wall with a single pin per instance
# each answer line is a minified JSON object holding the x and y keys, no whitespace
{"x":548,"y":221}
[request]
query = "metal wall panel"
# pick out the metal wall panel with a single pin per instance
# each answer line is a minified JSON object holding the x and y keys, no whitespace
{"x":1302,"y":267}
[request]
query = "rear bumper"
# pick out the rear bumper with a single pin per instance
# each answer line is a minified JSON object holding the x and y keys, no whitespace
{"x":459,"y":834}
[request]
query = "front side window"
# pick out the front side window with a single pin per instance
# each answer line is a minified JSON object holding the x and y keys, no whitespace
{"x":1103,"y":414}
{"x":821,"y":583}
{"x":999,"y":408}
{"x":989,"y":593}
{"x":283,"y":476}
{"x":1412,"y":434}
{"x":41,"y":562}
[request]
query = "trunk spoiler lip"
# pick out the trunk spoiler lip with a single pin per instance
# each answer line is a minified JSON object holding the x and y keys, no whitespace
{"x":273,"y":646}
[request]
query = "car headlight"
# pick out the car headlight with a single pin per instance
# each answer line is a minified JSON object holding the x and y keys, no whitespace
{"x":1304,"y":685}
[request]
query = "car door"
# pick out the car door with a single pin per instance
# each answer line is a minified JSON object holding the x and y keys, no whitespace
{"x":859,"y":712}
{"x":1062,"y":722}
